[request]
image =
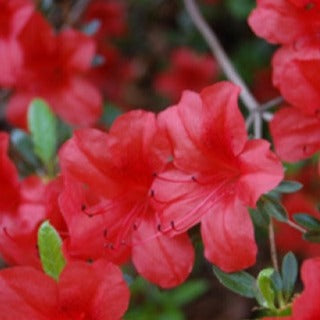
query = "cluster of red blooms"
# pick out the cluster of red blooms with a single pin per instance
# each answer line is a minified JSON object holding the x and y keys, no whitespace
{"x":295,"y":25}
{"x":295,"y":128}
{"x":134,"y":192}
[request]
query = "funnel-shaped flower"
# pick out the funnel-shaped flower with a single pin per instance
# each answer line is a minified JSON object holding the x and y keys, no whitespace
{"x":217,"y":172}
{"x":115,"y":172}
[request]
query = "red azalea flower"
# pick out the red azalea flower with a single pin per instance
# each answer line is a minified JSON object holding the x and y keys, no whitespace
{"x":9,"y":184}
{"x":306,"y":306}
{"x":285,"y":21}
{"x":296,"y":131}
{"x":119,"y":168}
{"x":217,"y":172}
{"x":23,"y":206}
{"x":54,"y":68}
{"x":189,"y":70}
{"x":84,"y":291}
{"x":111,"y":16}
{"x":14,"y":14}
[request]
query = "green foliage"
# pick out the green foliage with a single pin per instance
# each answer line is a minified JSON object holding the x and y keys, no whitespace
{"x":309,"y":222}
{"x":239,"y":282}
{"x":287,"y":186}
{"x":22,"y":152}
{"x":289,"y":270}
{"x":272,"y":207}
{"x":265,"y":286}
{"x":43,"y":127}
{"x":110,"y":113}
{"x":149,"y":302}
{"x":50,"y":250}
{"x":240,"y":9}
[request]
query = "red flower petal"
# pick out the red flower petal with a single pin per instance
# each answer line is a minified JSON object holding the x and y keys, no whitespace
{"x":228,"y":236}
{"x":295,"y":75}
{"x":9,"y":184}
{"x":296,"y":135}
{"x":261,"y":171}
{"x":97,"y":291}
{"x":305,"y":307}
{"x":26,"y":293}
{"x":285,"y":21}
{"x":160,"y":259}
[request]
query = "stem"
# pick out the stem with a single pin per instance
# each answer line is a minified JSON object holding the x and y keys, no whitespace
{"x":247,"y":98}
{"x":270,"y":104}
{"x":296,"y":226}
{"x":273,"y":249}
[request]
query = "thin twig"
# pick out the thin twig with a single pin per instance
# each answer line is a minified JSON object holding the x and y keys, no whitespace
{"x":248,"y":99}
{"x":296,"y":226}
{"x":273,"y":249}
{"x":270,"y":104}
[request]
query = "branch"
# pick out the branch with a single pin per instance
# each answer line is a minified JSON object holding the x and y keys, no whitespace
{"x":273,"y":249}
{"x":217,"y":50}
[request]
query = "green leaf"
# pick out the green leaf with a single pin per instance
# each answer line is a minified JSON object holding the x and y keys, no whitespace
{"x":265,"y":286}
{"x":239,"y":282}
{"x":187,"y":292}
{"x":43,"y":127}
{"x":240,"y":9}
{"x":312,"y":236}
{"x":265,"y":312}
{"x":259,"y":218}
{"x":22,"y":151}
{"x":272,"y":207}
{"x":307,"y":221}
{"x":276,"y":281}
{"x":50,"y":250}
{"x":289,"y":270}
{"x":110,"y":113}
{"x":288,"y":186}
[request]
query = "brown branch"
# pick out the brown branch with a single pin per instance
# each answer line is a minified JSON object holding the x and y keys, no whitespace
{"x":212,"y":40}
{"x":273,"y":249}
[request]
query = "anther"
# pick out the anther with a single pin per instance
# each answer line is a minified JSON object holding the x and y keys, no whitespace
{"x":109,"y":246}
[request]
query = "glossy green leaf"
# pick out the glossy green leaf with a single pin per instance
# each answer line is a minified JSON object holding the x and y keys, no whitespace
{"x":264,"y":283}
{"x":272,"y":207}
{"x":307,"y":221}
{"x":239,"y":282}
{"x":50,"y":250}
{"x":289,"y":270}
{"x":276,"y":281}
{"x":288,"y":186}
{"x":43,"y":127}
{"x":22,"y":152}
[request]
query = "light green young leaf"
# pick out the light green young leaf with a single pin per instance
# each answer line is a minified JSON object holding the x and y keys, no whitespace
{"x":43,"y":127}
{"x":50,"y":250}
